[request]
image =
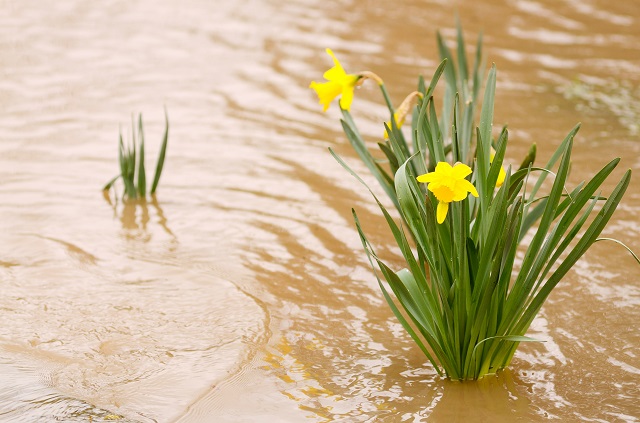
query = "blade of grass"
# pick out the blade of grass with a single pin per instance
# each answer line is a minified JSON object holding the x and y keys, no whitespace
{"x":142,"y":178}
{"x":161,"y":156}
{"x":620,"y":243}
{"x":109,"y":184}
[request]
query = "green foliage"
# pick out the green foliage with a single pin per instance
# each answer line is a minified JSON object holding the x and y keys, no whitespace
{"x":463,"y":296}
{"x":132,"y":163}
{"x":458,"y":294}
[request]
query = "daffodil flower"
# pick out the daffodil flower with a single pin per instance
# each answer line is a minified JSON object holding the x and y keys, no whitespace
{"x":448,"y":184}
{"x":339,"y":83}
{"x":502,"y":173}
{"x":399,"y":121}
{"x":401,"y":114}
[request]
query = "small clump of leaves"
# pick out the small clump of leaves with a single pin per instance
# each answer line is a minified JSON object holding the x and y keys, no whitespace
{"x":131,"y":158}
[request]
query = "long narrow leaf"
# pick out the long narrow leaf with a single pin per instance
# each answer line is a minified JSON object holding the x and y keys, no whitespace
{"x":161,"y":156}
{"x":142,"y":178}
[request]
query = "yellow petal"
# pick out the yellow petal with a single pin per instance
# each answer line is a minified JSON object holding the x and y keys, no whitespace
{"x":461,"y":192}
{"x":326,"y":92}
{"x":427,"y":177}
{"x":398,"y":124}
{"x":468,"y":186}
{"x":502,"y":173}
{"x":444,"y":168}
{"x":460,"y":171}
{"x":442,"y":191}
{"x":443,"y":208}
{"x":346,"y":98}
{"x":336,"y":72}
{"x":501,"y":177}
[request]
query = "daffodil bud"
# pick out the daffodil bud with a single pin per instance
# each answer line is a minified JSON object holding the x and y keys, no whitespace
{"x":402,"y":111}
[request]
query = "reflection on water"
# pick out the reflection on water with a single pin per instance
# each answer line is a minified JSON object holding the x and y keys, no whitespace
{"x":134,"y":217}
{"x":241,"y":292}
{"x":495,"y":398}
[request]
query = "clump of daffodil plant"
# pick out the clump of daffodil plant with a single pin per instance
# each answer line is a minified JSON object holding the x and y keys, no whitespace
{"x":131,"y":160}
{"x":464,"y":297}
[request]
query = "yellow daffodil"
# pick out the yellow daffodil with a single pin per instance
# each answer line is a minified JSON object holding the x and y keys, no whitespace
{"x":399,"y":121}
{"x":502,"y":173}
{"x":401,"y":114}
{"x":448,"y":184}
{"x":339,"y":83}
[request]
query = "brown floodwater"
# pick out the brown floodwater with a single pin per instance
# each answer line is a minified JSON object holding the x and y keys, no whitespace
{"x":242,"y":293}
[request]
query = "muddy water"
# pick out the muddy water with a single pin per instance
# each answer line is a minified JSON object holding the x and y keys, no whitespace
{"x":242,"y":293}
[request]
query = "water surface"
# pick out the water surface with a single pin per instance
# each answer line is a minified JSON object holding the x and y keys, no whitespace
{"x":242,"y":292}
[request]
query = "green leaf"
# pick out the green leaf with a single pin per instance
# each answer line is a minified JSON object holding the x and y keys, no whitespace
{"x":620,"y":243}
{"x":436,"y":77}
{"x":554,"y":158}
{"x":126,"y":158}
{"x":161,"y":156}
{"x":405,"y":324}
{"x":109,"y":184}
{"x":486,"y":118}
{"x":478,"y":69}
{"x":587,"y":239}
{"x":393,"y":161}
{"x":530,"y":158}
{"x":536,"y":255}
{"x":142,"y":181}
{"x":361,"y":149}
{"x":463,"y":71}
{"x":509,"y":338}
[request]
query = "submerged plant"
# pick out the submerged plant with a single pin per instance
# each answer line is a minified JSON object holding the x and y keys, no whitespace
{"x":131,"y":158}
{"x":465,"y":296}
